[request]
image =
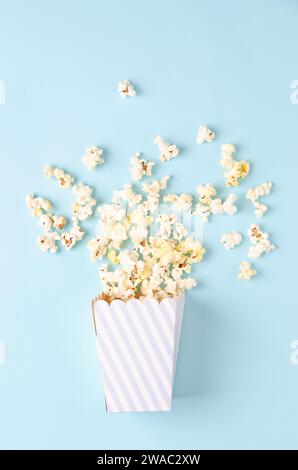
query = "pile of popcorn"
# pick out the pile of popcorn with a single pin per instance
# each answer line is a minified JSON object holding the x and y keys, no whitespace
{"x":143,"y":264}
{"x":150,"y":253}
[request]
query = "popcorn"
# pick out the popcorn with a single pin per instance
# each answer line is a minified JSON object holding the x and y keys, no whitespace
{"x":260,"y":209}
{"x":97,"y":247}
{"x":253,"y":194}
{"x":68,"y":240}
{"x":93,"y":157}
{"x":153,"y":268}
{"x":153,"y":189}
{"x":77,"y":232}
{"x":126,"y":88}
{"x":205,"y":135}
{"x":47,"y":241}
{"x":206,"y":193}
{"x":64,"y":179}
{"x":80,"y":212}
{"x":46,"y":222}
{"x":59,"y":221}
{"x":228,"y":205}
{"x":260,"y":242}
{"x":209,"y":205}
{"x":82,"y":193}
{"x":127,"y":194}
{"x":227,"y":161}
{"x":235,"y":170}
{"x":181,"y":203}
{"x":167,"y":151}
{"x":140,"y":167}
{"x":246,"y":271}
{"x":231,"y":239}
{"x":38,"y":205}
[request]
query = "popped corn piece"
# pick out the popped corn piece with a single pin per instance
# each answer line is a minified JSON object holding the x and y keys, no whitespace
{"x":97,"y":247}
{"x":167,"y":151}
{"x":126,"y":88}
{"x":80,"y":212}
{"x":260,"y":209}
{"x":49,"y":171}
{"x":37,"y":205}
{"x":59,"y":221}
{"x":227,"y":160}
{"x":260,"y":242}
{"x":156,"y":186}
{"x":205,"y":135}
{"x":231,"y":239}
{"x":93,"y":157}
{"x":228,"y":206}
{"x":246,"y":271}
{"x":68,"y":240}
{"x":140,"y":167}
{"x":64,"y":179}
{"x":235,"y":170}
{"x":181,"y":202}
{"x":263,"y":246}
{"x":82,"y":193}
{"x":216,"y":206}
{"x":255,"y":234}
{"x":127,"y":194}
{"x":47,"y":241}
{"x":77,"y":232}
{"x":46,"y":222}
{"x":253,"y":194}
{"x":206,"y":193}
{"x":202,"y":211}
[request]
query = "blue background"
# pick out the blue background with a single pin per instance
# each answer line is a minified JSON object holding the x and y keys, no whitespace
{"x":225,"y":64}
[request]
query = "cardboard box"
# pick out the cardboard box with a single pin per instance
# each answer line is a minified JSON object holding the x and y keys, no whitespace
{"x":137,"y":343}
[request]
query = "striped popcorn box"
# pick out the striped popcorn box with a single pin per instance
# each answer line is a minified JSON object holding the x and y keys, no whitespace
{"x":137,"y":343}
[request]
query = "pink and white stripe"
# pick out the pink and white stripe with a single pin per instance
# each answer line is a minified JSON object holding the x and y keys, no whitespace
{"x":137,"y":344}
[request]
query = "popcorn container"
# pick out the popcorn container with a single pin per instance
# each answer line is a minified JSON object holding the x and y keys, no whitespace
{"x":137,"y":343}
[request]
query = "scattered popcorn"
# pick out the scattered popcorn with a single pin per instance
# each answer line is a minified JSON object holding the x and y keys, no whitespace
{"x":260,"y":242}
{"x":235,"y":170}
{"x":227,"y":161}
{"x":80,"y":212}
{"x":140,"y":167}
{"x":126,"y":88}
{"x":127,"y":194}
{"x":93,"y":157}
{"x":260,"y":209}
{"x":209,"y":205}
{"x":167,"y":151}
{"x":82,"y":193}
{"x":246,"y":271}
{"x":47,"y":241}
{"x":46,"y":222}
{"x":253,"y":194}
{"x":37,"y":205}
{"x":77,"y":232}
{"x":205,"y":135}
{"x":231,"y":239}
{"x":228,"y":205}
{"x":64,"y":179}
{"x":59,"y":221}
{"x":181,"y":203}
{"x":68,"y":240}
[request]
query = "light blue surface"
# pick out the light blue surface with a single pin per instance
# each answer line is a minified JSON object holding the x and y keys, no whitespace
{"x":228,"y":64}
